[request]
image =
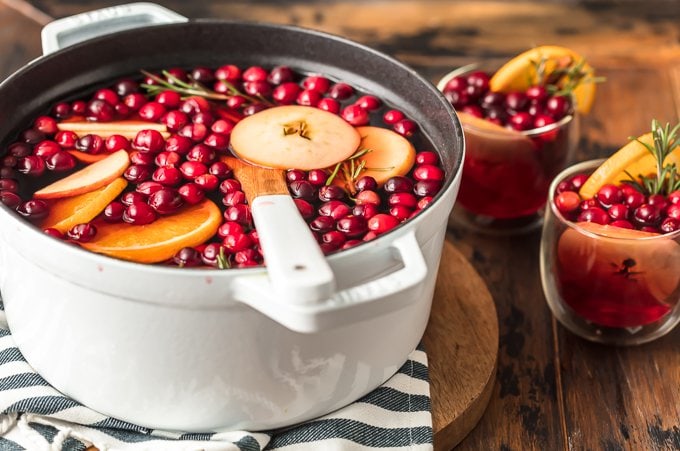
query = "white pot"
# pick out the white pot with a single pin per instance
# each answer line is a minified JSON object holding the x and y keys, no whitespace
{"x":206,"y":350}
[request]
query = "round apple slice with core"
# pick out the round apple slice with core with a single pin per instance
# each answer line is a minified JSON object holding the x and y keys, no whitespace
{"x":294,"y":136}
{"x":384,"y":154}
{"x":87,"y":179}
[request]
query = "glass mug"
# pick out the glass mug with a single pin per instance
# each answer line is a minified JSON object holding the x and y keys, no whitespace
{"x":618,"y":288}
{"x":506,"y":173}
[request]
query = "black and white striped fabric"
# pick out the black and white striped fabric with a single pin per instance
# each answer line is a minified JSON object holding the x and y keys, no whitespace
{"x":35,"y":416}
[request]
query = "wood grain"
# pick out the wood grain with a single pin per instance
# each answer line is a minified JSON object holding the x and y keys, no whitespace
{"x":256,"y":180}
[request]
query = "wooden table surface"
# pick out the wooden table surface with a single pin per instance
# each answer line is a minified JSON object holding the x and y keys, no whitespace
{"x":553,"y":390}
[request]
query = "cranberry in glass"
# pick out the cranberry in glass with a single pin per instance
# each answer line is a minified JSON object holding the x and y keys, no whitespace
{"x":457,"y":98}
{"x":479,"y":79}
{"x":137,"y":173}
{"x":322,"y":224}
{"x":187,"y":257}
{"x":398,"y":184}
{"x":352,"y":226}
{"x":207,"y":182}
{"x":558,"y":106}
{"x":328,"y":104}
{"x":536,"y":93}
{"x":191,"y":193}
{"x":139,"y":213}
{"x":308,"y":97}
{"x":60,"y":162}
{"x":473,"y":110}
{"x":672,"y":211}
{"x":567,"y":201}
{"x":674,"y":197}
{"x":305,"y":208}
{"x":230,"y":185}
{"x":594,"y":214}
{"x":647,"y":215}
{"x":10,"y":199}
{"x":355,"y":115}
{"x":541,"y":120}
{"x":658,"y":200}
{"x":286,"y":93}
{"x":609,"y":195}
{"x":669,"y":225}
{"x":280,"y":74}
{"x":335,"y":209}
{"x":333,"y":240}
{"x":521,"y":121}
{"x":82,"y":233}
{"x":492,"y":98}
{"x":165,"y":201}
{"x":588,"y":204}
{"x":331,"y":192}
{"x":405,"y":127}
{"x":369,"y":102}
{"x":622,"y":223}
{"x":341,"y":91}
{"x":302,"y":189}
{"x":222,"y":126}
{"x":634,"y":199}
{"x":618,"y":211}
{"x":100,"y":110}
{"x":149,"y":141}
{"x":31,"y":165}
{"x":516,"y":101}
{"x":33,"y":210}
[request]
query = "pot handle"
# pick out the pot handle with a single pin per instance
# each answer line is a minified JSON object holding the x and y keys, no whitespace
{"x":377,"y":297}
{"x":74,"y":29}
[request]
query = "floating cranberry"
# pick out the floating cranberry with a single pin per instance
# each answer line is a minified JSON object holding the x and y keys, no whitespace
{"x":228,"y":72}
{"x":8,"y":173}
{"x":352,"y":226}
{"x":253,"y":108}
{"x":407,"y":200}
{"x":366,"y":211}
{"x":237,"y":242}
{"x":366,"y":182}
{"x":239,"y":213}
{"x":10,"y":199}
{"x":177,"y":73}
{"x":122,"y":110}
{"x":658,"y":200}
{"x":316,"y":83}
{"x":305,"y":208}
{"x":405,"y":127}
{"x":92,"y":144}
{"x":335,"y":209}
{"x":536,"y":93}
{"x":302,"y":189}
{"x":165,"y":201}
{"x":317,"y":177}
{"x":427,"y":188}
{"x":594,"y":214}
{"x":152,"y":111}
{"x":9,"y":185}
{"x":207,"y":182}
{"x":134,"y":101}
{"x":558,"y":106}
{"x":608,"y":195}
{"x":280,"y":74}
{"x":31,"y":136}
{"x":149,"y":187}
{"x":331,"y":192}
{"x":33,"y":210}
{"x":674,"y":197}
{"x":137,"y":173}
{"x":647,"y":215}
{"x":236,"y":101}
{"x":257,"y":88}
{"x":187,"y":257}
{"x":202,"y":75}
{"x":139,"y":213}
{"x":126,"y":87}
{"x":255,"y":73}
{"x":542,"y":120}
{"x":672,"y":211}
{"x":521,"y":121}
{"x":46,"y":125}
{"x":382,"y":223}
{"x":369,"y":102}
{"x":54,"y":233}
{"x":179,"y":144}
{"x":234,"y":198}
{"x":308,"y":97}
{"x":230,"y":185}
{"x":107,"y":95}
{"x":401,"y":212}
{"x":20,"y":150}
{"x":294,"y":175}
{"x":391,"y":117}
{"x":428,"y":172}
{"x":212,"y":253}
{"x":322,"y":224}
{"x":457,"y":98}
{"x":175,"y":120}
{"x":132,"y":197}
{"x":618,"y":211}
{"x":100,"y":110}
{"x":149,"y":141}
{"x":60,"y":162}
{"x":286,"y":93}
{"x":31,"y":165}
{"x":427,"y":157}
{"x":350,"y":243}
{"x":398,"y":184}
{"x":114,"y":212}
{"x":191,"y":193}
{"x":328,"y":104}
{"x":367,"y":197}
{"x":634,"y":199}
{"x":201,"y":153}
{"x":567,"y":201}
{"x":355,"y":115}
{"x":62,"y":110}
{"x":341,"y":91}
{"x":82,"y":233}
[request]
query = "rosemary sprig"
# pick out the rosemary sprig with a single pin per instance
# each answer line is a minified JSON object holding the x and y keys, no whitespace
{"x":352,"y":168}
{"x":222,"y":260}
{"x":564,"y":78}
{"x":667,"y":177}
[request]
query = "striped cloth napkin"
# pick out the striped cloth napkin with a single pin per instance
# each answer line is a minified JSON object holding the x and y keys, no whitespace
{"x":35,"y":416}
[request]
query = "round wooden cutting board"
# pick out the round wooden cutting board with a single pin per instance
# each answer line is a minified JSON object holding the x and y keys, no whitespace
{"x":461,"y":341}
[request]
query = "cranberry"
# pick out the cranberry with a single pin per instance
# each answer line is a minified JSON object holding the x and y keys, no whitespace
{"x":33,"y":210}
{"x":113,"y":212}
{"x":322,"y":224}
{"x":457,"y":98}
{"x":239,"y":213}
{"x":191,"y":193}
{"x":316,"y":83}
{"x":10,"y":199}
{"x":308,"y":97}
{"x":220,"y":170}
{"x":54,"y":233}
{"x":280,"y":74}
{"x":230,"y":185}
{"x":286,"y":93}
{"x":255,"y":73}
{"x":558,"y":106}
{"x":31,"y":136}
{"x":192,"y":169}
{"x":589,"y":203}
{"x":257,"y":88}
{"x":658,"y":200}
{"x":46,"y":125}
{"x":234,"y":198}
{"x":229,"y":228}
{"x":305,"y":208}
{"x":398,"y":184}
{"x":366,"y":182}
{"x":207,"y":182}
{"x":350,"y":243}
{"x":100,"y":110}
{"x":149,"y":141}
{"x":294,"y":175}
{"x":331,"y":192}
{"x":427,"y":157}
{"x":382,"y":223}
{"x":674,"y":197}
{"x":9,"y":185}
{"x":82,"y":233}
{"x":175,"y":120}
{"x":8,"y":161}
{"x":355,"y":115}
{"x":132,"y":197}
{"x":237,"y":242}
{"x":201,"y":153}
{"x":228,"y":72}
{"x":328,"y":104}
{"x":634,"y":199}
{"x":217,"y":141}
{"x":594,"y":214}
{"x":669,"y":225}
{"x":405,"y":127}
{"x":93,"y":144}
{"x":167,"y":175}
{"x":516,"y":101}
{"x":368,"y":102}
{"x":45,"y":149}
{"x":21,"y":149}
{"x":116,"y":142}
{"x":134,"y":101}
{"x":407,"y":200}
{"x":31,"y":165}
{"x":473,"y":110}
{"x":335,"y":209}
{"x":536,"y":93}
{"x":179,"y":144}
{"x":341,"y":91}
{"x":672,"y":211}
{"x":647,"y":215}
{"x":618,"y":211}
{"x":211,"y":254}
{"x":424,"y":202}
{"x":567,"y":201}
{"x":492,"y":98}
{"x":302,"y":189}
{"x":332,"y":240}
{"x":177,"y":73}
{"x":165,"y":201}
{"x":149,"y":187}
{"x":152,"y":111}
{"x":428,"y":172}
{"x":542,"y":120}
{"x":139,"y":214}
{"x":577,"y":181}
{"x":202,"y":75}
{"x":60,"y":162}
{"x":367,"y":211}
{"x":137,"y":157}
{"x":125,"y":87}
{"x":401,"y":212}
{"x":107,"y":95}
{"x":609,"y":194}
{"x":79,"y":107}
{"x":426,"y":188}
{"x":317,"y":177}
{"x":137,"y":173}
{"x":62,"y":110}
{"x":391,"y":117}
{"x":187,"y":257}
{"x":352,"y":226}
{"x":253,"y":108}
{"x":246,"y":257}
{"x":368,"y":197}
{"x":521,"y":121}
{"x":236,"y":101}
{"x":622,"y":223}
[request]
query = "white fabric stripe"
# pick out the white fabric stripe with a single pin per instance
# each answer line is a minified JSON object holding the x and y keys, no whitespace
{"x":419,"y":356}
{"x":340,"y":444}
{"x":10,"y":397}
{"x":378,"y":417}
{"x":80,"y":415}
{"x":408,"y":384}
{"x":12,"y":368}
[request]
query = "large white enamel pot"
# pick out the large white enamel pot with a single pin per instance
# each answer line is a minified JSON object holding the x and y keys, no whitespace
{"x":206,"y":350}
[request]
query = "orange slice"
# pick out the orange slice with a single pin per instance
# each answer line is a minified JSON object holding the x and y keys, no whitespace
{"x":160,"y":240}
{"x":633,"y":158}
{"x":69,"y":211}
{"x":87,"y":158}
{"x":518,"y":74}
{"x":390,"y":155}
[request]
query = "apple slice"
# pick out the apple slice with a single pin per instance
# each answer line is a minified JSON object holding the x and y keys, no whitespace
{"x":294,"y":136}
{"x":388,"y":154}
{"x":87,"y":179}
{"x":69,"y":211}
{"x":87,"y":158}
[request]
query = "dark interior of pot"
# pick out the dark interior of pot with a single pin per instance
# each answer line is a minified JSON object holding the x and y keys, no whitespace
{"x":67,"y":73}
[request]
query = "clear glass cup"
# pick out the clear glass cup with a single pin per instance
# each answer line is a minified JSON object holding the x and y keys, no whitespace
{"x":506,"y":173}
{"x":609,"y":286}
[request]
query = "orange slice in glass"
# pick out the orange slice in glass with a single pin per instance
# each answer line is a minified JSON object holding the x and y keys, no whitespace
{"x":160,"y":240}
{"x":519,"y":73}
